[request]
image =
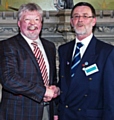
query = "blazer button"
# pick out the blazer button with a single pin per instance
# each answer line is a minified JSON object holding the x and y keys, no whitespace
{"x":62,"y":76}
{"x":79,"y":109}
{"x":66,"y":106}
{"x":85,"y":95}
{"x":90,"y":79}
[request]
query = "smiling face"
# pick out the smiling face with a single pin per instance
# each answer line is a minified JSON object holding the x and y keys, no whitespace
{"x":30,"y":24}
{"x":83,"y":21}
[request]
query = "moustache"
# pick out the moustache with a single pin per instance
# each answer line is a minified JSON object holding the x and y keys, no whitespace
{"x":80,"y":25}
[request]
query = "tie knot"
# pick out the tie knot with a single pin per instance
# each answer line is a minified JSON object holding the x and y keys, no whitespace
{"x":79,"y":44}
{"x":34,"y":44}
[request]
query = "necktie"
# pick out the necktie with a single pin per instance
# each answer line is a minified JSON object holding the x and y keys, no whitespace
{"x":40,"y":59}
{"x":76,"y":59}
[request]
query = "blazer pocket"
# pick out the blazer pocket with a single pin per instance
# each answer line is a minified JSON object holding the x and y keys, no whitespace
{"x":94,"y":113}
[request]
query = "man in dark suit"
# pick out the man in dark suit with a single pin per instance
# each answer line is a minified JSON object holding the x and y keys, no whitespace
{"x":24,"y":94}
{"x":89,"y":93}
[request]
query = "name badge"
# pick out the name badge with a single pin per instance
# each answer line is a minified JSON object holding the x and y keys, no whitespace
{"x":91,"y":69}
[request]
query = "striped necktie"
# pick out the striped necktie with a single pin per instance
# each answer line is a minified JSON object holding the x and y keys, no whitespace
{"x":40,"y":59}
{"x":76,"y":59}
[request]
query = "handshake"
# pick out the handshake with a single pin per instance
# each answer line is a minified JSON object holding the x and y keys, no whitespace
{"x":51,"y":92}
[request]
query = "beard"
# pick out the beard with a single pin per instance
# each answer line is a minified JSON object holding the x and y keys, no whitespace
{"x":32,"y":36}
{"x":81,"y":29}
{"x":80,"y":32}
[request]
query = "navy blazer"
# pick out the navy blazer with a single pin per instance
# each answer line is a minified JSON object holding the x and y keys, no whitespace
{"x":23,"y":87}
{"x":87,"y":97}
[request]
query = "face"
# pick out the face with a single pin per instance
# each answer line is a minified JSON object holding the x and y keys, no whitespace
{"x":30,"y":24}
{"x":82,"y":21}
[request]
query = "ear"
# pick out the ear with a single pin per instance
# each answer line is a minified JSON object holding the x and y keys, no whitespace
{"x":18,"y":23}
{"x":71,"y":22}
{"x":94,"y":21}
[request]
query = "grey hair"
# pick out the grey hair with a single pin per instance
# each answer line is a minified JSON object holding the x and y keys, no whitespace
{"x":29,"y":7}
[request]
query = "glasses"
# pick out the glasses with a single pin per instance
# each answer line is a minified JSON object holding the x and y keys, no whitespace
{"x":84,"y":17}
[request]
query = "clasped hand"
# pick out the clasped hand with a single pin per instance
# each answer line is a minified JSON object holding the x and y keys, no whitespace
{"x":51,"y":92}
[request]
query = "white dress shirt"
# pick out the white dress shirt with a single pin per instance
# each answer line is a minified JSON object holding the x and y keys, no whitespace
{"x":29,"y":41}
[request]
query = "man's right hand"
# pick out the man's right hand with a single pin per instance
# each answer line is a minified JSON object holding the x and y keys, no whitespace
{"x":51,"y":92}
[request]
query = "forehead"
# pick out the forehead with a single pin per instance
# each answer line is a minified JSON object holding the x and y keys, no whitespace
{"x":82,"y":10}
{"x":31,"y":13}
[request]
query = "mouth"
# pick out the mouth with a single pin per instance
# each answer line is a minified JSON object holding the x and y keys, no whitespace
{"x":32,"y":28}
{"x":80,"y":25}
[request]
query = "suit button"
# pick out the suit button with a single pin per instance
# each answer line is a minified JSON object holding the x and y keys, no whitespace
{"x":90,"y":79}
{"x":85,"y":95}
{"x":79,"y":109}
{"x":62,"y":76}
{"x":66,"y":106}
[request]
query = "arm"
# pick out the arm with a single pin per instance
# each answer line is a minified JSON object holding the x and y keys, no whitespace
{"x":109,"y":88}
{"x":18,"y":74}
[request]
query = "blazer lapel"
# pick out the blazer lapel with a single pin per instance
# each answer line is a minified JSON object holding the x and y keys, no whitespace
{"x":25,"y":45}
{"x":68,"y":61}
{"x":90,"y":54}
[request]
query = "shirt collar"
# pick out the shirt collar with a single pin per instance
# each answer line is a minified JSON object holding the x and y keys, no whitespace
{"x":85,"y":41}
{"x":29,"y":41}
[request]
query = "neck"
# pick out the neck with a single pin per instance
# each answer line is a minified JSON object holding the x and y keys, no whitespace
{"x":81,"y":37}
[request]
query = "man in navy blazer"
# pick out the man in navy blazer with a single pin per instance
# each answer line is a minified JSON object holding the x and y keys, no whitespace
{"x":24,"y":95}
{"x":89,"y":94}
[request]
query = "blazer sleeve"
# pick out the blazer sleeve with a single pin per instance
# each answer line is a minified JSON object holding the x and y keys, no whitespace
{"x":109,"y":88}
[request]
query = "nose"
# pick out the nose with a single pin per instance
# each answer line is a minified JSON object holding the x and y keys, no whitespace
{"x":32,"y":21}
{"x":80,"y":18}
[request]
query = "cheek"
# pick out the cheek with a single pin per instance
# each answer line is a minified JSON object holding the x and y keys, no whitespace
{"x":23,"y":26}
{"x":89,"y":23}
{"x":39,"y":25}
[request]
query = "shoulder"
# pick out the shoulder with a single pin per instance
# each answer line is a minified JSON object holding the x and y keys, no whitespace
{"x":48,"y":45}
{"x":11,"y":39}
{"x":46,"y":42}
{"x":104,"y":46}
{"x":67,"y":45}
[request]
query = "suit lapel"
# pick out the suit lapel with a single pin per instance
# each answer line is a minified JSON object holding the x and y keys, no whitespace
{"x":68,"y":61}
{"x":25,"y":45}
{"x":90,"y":54}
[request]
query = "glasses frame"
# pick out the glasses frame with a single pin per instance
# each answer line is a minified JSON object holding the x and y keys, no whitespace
{"x":84,"y":17}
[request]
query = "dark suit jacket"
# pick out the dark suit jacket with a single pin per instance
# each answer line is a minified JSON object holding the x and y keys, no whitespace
{"x":23,"y":87}
{"x":87,"y":97}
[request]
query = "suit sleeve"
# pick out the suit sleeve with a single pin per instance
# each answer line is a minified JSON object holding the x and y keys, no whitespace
{"x":109,"y":88}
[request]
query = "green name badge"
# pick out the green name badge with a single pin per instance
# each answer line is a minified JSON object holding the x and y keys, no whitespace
{"x":91,"y":69}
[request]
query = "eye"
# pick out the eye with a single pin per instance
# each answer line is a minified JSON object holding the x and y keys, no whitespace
{"x":85,"y":17}
{"x":37,"y":19}
{"x":76,"y":16}
{"x":26,"y":19}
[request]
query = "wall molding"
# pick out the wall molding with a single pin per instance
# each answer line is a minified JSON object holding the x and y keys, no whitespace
{"x":57,"y":26}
